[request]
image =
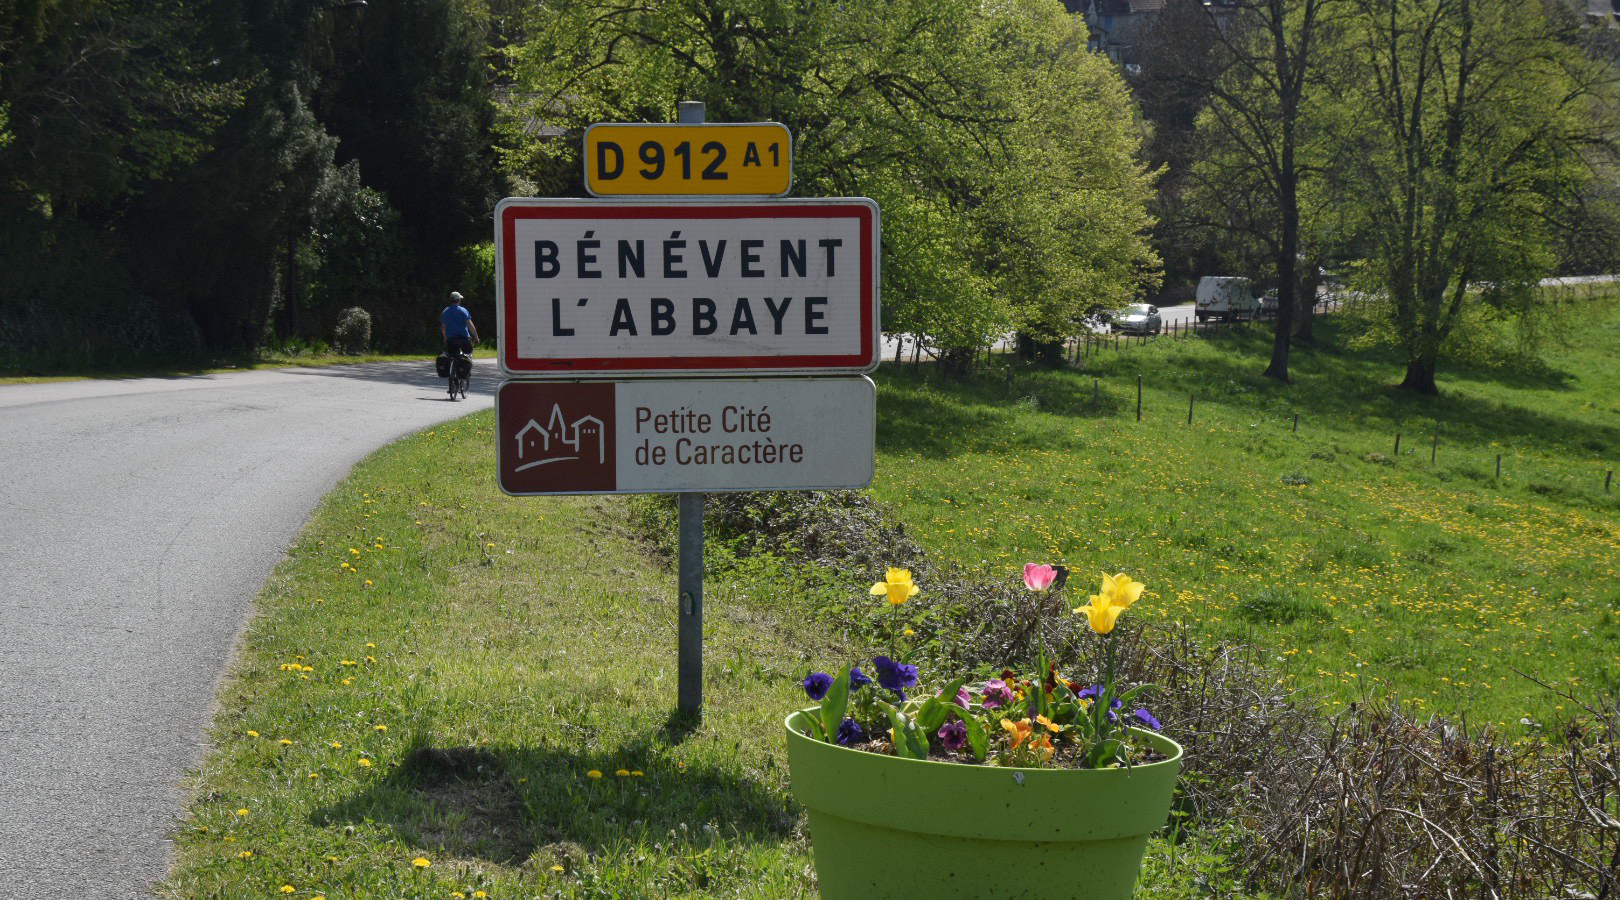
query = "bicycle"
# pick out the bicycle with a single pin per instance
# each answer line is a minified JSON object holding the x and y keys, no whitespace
{"x":460,"y":373}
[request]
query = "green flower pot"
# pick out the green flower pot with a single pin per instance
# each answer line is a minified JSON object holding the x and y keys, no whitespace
{"x":886,"y":827}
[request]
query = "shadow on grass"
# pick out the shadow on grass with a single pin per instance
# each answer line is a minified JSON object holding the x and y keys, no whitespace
{"x":939,"y":418}
{"x":512,"y":806}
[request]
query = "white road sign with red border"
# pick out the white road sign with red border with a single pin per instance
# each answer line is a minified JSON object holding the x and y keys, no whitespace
{"x":631,"y":288}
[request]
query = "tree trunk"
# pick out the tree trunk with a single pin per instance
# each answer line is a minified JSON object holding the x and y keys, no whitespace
{"x":1286,"y":283}
{"x":1305,"y":329}
{"x":1420,"y":377}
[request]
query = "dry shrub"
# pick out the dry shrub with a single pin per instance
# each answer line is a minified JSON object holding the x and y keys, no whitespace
{"x":1372,"y":801}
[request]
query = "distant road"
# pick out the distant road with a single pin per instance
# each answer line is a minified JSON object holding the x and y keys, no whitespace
{"x":138,"y":521}
{"x":1185,"y":314}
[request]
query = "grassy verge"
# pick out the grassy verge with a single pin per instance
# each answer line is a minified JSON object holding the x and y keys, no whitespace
{"x":1358,"y":568}
{"x":437,"y":669}
{"x":267,"y":360}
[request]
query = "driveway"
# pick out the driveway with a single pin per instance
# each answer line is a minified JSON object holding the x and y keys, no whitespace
{"x":138,"y":520}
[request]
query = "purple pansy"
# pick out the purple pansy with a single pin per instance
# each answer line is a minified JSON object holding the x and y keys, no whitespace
{"x":1095,"y":692}
{"x":816,"y":684}
{"x":896,"y":676}
{"x":1146,"y":718}
{"x":857,"y":680}
{"x":953,"y":735}
{"x":996,"y":693}
{"x":850,"y":733}
{"x":962,"y":698}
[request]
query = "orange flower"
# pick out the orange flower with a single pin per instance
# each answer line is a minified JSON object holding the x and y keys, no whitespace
{"x":1017,"y":732}
{"x":1043,"y":748}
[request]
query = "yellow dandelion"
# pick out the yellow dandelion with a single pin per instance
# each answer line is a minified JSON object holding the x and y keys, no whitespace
{"x":337,"y":745}
{"x":556,"y":868}
{"x":381,"y":728}
{"x":253,"y":734}
{"x":287,"y":889}
{"x":285,"y":742}
{"x":241,"y":812}
{"x":593,"y":774}
{"x":364,"y":763}
{"x":421,"y":862}
{"x":245,"y":854}
{"x":622,"y":773}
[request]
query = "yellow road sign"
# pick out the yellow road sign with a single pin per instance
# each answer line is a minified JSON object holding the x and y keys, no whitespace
{"x":752,"y":159}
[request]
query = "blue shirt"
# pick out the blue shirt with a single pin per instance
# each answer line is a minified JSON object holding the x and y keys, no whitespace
{"x":455,"y":319}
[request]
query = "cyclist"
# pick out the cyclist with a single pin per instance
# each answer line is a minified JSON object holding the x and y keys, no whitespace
{"x":456,"y":327}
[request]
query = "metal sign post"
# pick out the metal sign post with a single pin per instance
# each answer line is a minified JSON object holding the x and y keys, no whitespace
{"x":689,"y":580}
{"x":689,"y":677}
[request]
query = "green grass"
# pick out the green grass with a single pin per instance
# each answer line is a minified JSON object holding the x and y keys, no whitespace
{"x":484,"y":654}
{"x":1359,"y":569}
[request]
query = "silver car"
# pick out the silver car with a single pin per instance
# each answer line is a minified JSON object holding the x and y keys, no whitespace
{"x":1138,"y":318}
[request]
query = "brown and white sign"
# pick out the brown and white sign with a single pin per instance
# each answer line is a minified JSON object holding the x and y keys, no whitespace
{"x":582,"y":437}
{"x":613,"y":288}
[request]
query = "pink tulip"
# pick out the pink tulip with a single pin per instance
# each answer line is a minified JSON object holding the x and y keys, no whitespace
{"x":1038,"y":578}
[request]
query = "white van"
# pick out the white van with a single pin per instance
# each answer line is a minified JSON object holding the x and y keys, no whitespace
{"x":1225,"y":297}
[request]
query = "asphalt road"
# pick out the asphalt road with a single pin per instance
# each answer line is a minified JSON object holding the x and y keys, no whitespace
{"x":138,"y":519}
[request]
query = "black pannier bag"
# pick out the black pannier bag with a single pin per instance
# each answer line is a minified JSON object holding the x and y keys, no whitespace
{"x":463,"y":366}
{"x":442,"y":364}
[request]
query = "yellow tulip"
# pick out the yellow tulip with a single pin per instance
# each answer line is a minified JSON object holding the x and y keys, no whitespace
{"x":1100,"y":613}
{"x":1121,"y":590}
{"x":896,"y":586}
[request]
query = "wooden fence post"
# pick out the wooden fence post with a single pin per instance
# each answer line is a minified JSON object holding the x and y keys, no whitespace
{"x":1138,"y":398}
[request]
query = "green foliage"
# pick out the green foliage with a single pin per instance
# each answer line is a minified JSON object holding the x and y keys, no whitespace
{"x":1001,"y":153}
{"x":353,"y":332}
{"x":405,"y":90}
{"x":188,"y":152}
{"x":1470,"y":120}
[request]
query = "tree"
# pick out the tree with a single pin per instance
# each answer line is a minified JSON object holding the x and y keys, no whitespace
{"x":1476,"y":119}
{"x":1001,"y":153}
{"x":404,"y":88}
{"x":1172,"y":88}
{"x":1261,"y":149}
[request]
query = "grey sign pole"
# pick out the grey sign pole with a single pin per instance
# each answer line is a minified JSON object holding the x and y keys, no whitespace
{"x":690,"y":580}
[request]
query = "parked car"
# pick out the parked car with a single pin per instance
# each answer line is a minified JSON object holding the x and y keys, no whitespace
{"x":1139,"y":318}
{"x":1225,"y":297}
{"x":1268,"y":305}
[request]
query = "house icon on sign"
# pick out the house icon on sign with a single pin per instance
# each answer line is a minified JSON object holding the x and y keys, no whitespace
{"x":560,"y":440}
